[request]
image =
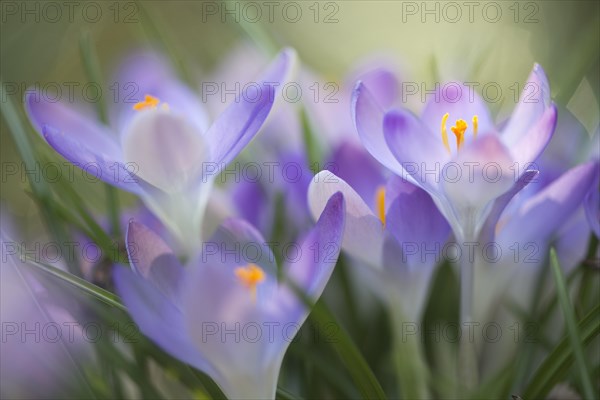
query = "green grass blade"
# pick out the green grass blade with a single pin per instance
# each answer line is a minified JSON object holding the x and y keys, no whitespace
{"x":362,"y":375}
{"x":572,"y":329}
{"x":19,"y":135}
{"x":212,"y":389}
{"x":311,"y":145}
{"x":556,"y":366}
{"x":97,"y":233}
{"x":39,"y":187}
{"x":283,"y":394}
{"x":81,"y":284}
{"x":93,"y":73}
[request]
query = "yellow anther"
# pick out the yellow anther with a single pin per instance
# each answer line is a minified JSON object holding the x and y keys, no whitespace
{"x":380,"y":203}
{"x":459,"y":131}
{"x":250,"y":276}
{"x":445,"y":132}
{"x":148,"y":102}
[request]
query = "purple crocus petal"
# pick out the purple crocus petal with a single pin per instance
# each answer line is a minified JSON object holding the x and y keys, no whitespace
{"x":280,"y":69}
{"x":543,"y":213}
{"x":407,"y":286}
{"x":382,"y":84}
{"x":530,"y":145}
{"x":417,"y":151}
{"x":566,"y":146}
{"x":479,"y":173}
{"x":30,"y":299}
{"x":166,"y":149}
{"x":148,"y":73}
{"x":320,"y":249}
{"x":56,"y":116}
{"x":153,"y":259}
{"x":311,"y":269}
{"x":416,"y":223}
{"x":157,"y":317}
{"x":572,"y":242}
{"x":533,"y":103}
{"x":368,"y":120}
{"x":215,"y":302}
{"x":95,"y":161}
{"x":294,"y":178}
{"x":592,"y":209}
{"x":236,"y":243}
{"x":488,"y":231}
{"x":81,"y":141}
{"x":252,"y":204}
{"x":460,"y":102}
{"x":359,"y":169}
{"x":364,"y":233}
{"x":238,"y":124}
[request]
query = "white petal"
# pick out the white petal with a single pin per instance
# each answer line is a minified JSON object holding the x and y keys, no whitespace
{"x":165,"y":149}
{"x":364,"y":232}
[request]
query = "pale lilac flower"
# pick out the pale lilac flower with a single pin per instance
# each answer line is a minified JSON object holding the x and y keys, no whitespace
{"x":328,"y":110}
{"x":393,"y":227}
{"x":165,"y":151}
{"x":519,"y":236}
{"x":523,"y":233}
{"x":226,"y":313}
{"x":39,"y":332}
{"x":464,"y":165}
{"x":592,"y":209}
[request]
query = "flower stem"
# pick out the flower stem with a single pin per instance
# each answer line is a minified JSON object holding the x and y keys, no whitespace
{"x":410,"y":359}
{"x":467,"y":352}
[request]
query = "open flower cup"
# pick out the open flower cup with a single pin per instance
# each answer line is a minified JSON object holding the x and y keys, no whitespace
{"x":162,"y":147}
{"x":467,"y":166}
{"x":227,"y":313}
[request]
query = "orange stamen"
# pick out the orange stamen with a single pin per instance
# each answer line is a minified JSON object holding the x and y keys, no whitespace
{"x":380,"y":203}
{"x":250,"y":276}
{"x":148,"y":102}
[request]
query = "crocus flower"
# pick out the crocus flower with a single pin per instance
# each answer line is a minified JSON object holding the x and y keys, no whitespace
{"x":38,"y":330}
{"x":287,"y":182}
{"x":227,"y":313}
{"x":522,"y":234}
{"x":166,"y":152}
{"x":394,"y":228}
{"x":571,"y":145}
{"x":279,"y":173}
{"x":330,"y":114}
{"x":464,"y":165}
{"x":592,"y":210}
